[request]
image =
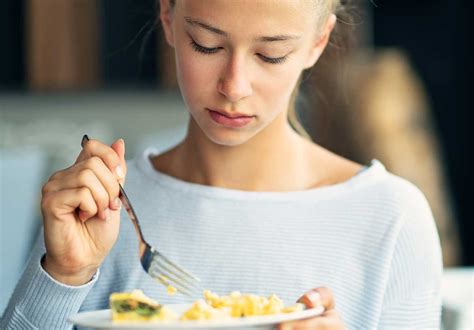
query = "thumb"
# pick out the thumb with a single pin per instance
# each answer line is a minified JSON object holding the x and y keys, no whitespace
{"x":321,"y":296}
{"x":119,"y":147}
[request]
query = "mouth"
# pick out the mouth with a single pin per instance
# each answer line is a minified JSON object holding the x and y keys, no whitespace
{"x":228,"y":119}
{"x":231,"y":115}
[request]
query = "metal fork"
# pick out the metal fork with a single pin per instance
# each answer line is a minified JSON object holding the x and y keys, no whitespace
{"x":155,"y":263}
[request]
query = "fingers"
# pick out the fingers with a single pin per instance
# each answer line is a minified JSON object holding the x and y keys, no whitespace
{"x":97,"y":168}
{"x":317,"y":297}
{"x":92,"y":174}
{"x":64,"y":202}
{"x":330,"y":319}
{"x":113,"y":157}
{"x":119,"y":147}
{"x":86,"y":178}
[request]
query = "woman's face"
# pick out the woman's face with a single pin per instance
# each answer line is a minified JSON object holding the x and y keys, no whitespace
{"x":238,"y":61}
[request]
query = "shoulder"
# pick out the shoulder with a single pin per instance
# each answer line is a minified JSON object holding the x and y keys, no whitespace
{"x":409,"y":228}
{"x":371,"y":184}
{"x":411,"y":224}
{"x":408,"y":199}
{"x":415,"y":249}
{"x":396,"y":201}
{"x":385,"y":202}
{"x":373,"y":180}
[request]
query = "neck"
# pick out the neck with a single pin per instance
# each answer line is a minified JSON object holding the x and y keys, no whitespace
{"x":272,"y":160}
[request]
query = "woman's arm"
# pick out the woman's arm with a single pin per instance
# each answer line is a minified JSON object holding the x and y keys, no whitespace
{"x":39,"y":301}
{"x":413,"y":292}
{"x":81,"y":216}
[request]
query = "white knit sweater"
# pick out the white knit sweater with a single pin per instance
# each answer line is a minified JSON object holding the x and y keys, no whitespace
{"x":371,"y":239}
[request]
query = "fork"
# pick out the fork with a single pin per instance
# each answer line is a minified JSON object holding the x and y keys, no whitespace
{"x":155,"y":263}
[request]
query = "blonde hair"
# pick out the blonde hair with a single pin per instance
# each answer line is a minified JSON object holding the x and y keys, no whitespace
{"x":326,"y":8}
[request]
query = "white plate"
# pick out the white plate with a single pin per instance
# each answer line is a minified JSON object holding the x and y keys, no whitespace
{"x":102,"y":320}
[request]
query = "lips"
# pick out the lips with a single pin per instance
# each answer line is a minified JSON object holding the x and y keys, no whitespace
{"x":231,"y":115}
{"x":233,"y":120}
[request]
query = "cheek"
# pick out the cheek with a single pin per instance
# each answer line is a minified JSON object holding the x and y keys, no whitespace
{"x":195,"y":76}
{"x":275,"y":88}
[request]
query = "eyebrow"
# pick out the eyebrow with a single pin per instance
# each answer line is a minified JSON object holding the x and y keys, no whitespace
{"x":193,"y":21}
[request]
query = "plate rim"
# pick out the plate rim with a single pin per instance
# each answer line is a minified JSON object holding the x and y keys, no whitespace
{"x":238,"y":322}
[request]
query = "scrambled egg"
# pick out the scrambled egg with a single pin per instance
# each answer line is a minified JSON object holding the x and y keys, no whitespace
{"x":237,"y":305}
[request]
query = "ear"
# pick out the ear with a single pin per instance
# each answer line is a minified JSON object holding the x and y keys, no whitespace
{"x":321,"y":42}
{"x":166,"y":17}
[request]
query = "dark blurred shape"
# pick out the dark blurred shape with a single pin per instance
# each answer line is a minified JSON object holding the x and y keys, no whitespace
{"x":437,"y":37}
{"x":12,"y":73}
{"x":62,"y":42}
{"x":129,"y":43}
{"x":78,"y":44}
{"x":391,"y":120}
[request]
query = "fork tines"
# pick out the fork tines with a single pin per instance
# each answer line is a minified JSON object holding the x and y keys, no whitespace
{"x":168,"y":273}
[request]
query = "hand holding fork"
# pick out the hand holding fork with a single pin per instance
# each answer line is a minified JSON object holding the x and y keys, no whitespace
{"x":81,"y":213}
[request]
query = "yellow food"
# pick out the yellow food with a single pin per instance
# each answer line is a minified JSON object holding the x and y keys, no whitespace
{"x":244,"y":305}
{"x":136,"y":306}
{"x":171,"y":290}
{"x":200,"y":310}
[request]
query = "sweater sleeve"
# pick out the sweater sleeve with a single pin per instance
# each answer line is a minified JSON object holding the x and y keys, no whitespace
{"x":41,"y":302}
{"x":412,"y":298}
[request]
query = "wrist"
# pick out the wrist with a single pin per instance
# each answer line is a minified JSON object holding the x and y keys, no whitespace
{"x":70,"y":277}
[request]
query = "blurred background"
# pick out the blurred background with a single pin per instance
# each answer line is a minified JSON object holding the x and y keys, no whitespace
{"x":391,"y":86}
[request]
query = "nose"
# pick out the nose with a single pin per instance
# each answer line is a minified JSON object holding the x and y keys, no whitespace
{"x":234,"y":83}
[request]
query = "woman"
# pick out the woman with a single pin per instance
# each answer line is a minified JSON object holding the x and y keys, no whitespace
{"x":244,"y":202}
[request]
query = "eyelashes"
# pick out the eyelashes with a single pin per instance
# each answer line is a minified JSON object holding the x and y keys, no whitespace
{"x":205,"y":50}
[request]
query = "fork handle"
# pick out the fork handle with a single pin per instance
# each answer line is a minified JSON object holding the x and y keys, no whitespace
{"x":125,"y":202}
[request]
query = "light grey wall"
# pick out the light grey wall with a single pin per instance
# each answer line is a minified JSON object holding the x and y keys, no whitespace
{"x":61,"y":119}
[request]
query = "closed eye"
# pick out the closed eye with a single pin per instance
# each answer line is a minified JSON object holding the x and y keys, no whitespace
{"x":206,"y":50}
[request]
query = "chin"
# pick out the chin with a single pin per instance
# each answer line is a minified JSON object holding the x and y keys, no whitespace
{"x":228,"y":140}
{"x":223,"y":136}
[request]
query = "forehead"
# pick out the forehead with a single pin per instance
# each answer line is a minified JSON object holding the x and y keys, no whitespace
{"x":238,"y":17}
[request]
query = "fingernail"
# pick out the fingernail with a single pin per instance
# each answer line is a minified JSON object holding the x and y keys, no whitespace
{"x":82,"y":215}
{"x":119,"y":172}
{"x":315,"y":297}
{"x":107,"y":214}
{"x":117,"y":204}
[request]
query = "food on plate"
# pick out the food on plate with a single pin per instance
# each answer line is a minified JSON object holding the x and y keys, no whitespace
{"x":243,"y":305}
{"x":135,"y":306}
{"x":201,"y":310}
